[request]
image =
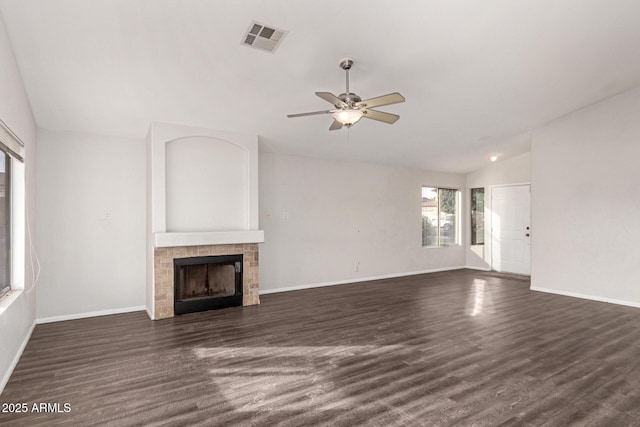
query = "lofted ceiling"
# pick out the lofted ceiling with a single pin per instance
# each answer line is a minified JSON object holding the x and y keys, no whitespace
{"x":478,"y":76}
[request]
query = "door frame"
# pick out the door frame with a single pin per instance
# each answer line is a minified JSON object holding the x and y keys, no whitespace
{"x":488,"y":214}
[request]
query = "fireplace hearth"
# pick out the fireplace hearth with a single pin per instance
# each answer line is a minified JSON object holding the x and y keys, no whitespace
{"x":207,"y":283}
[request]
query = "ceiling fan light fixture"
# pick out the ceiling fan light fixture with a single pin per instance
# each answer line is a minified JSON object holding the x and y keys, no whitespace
{"x":348,"y":117}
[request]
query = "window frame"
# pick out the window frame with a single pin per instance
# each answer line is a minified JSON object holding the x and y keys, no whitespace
{"x":473,"y":223}
{"x":8,"y":210}
{"x":458,"y":221}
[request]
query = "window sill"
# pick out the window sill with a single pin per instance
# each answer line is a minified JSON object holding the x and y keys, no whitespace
{"x":8,"y":299}
{"x":441,"y":246}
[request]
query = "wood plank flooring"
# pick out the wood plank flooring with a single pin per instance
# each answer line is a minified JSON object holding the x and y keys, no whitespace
{"x":453,"y":348}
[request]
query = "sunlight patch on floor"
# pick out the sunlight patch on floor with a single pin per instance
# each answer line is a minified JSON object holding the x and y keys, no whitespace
{"x":270,"y":378}
{"x":478,"y":297}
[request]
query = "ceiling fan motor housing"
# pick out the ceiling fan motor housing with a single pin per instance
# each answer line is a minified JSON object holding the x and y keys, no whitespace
{"x":346,"y":63}
{"x":349,"y":98}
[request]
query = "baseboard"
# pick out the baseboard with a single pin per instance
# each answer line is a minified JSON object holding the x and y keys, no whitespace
{"x":90,"y":314}
{"x":478,"y":268}
{"x":585,"y":296}
{"x":16,"y":359}
{"x":149,"y":313}
{"x":360,"y":279}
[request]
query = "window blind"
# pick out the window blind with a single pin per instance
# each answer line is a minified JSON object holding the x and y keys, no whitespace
{"x":11,"y":143}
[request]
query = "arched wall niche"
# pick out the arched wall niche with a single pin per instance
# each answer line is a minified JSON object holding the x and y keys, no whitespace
{"x":217,"y":158}
{"x":206,"y":185}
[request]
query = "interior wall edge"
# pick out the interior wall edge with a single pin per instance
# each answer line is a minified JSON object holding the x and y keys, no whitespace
{"x":42,"y":320}
{"x":358,"y":280}
{"x":586,"y":296}
{"x":16,"y":359}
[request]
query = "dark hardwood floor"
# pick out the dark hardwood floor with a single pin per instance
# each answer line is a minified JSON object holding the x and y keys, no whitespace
{"x":453,"y":348}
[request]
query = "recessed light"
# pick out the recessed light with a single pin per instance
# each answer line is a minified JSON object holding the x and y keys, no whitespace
{"x":493,"y":158}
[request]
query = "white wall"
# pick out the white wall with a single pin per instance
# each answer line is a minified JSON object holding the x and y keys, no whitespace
{"x":207,"y":185}
{"x":150,"y":238}
{"x":92,"y":222}
{"x":324,"y":219}
{"x":17,"y":317}
{"x":516,"y":170}
{"x":586,"y":202}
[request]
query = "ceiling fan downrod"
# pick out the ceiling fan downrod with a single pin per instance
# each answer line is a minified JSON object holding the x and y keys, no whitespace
{"x":346,"y":64}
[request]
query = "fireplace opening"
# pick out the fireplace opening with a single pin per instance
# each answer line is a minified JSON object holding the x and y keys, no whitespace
{"x":207,"y":283}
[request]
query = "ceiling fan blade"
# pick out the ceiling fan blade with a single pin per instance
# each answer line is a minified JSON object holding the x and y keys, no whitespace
{"x":381,"y":116}
{"x":308,"y":114}
{"x":390,"y":98}
{"x":329,"y":97}
{"x":335,"y":125}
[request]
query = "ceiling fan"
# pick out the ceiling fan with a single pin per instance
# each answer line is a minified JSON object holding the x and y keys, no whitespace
{"x":350,"y":108}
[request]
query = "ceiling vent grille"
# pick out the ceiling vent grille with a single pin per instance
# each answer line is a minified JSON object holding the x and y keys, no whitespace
{"x":263,"y":37}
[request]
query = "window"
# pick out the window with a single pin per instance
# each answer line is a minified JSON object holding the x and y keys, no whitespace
{"x":11,"y":163}
{"x":477,"y":216}
{"x":440,"y":225}
{"x":5,"y":223}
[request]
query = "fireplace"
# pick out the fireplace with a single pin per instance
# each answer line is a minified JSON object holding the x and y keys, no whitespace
{"x":183,"y":221}
{"x":207,"y":283}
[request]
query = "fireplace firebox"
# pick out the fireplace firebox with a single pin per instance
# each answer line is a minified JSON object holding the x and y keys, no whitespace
{"x":207,"y":283}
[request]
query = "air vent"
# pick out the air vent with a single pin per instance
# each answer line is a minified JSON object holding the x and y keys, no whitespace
{"x":263,"y":37}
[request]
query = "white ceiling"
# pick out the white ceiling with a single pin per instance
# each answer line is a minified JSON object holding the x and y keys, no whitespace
{"x":477,"y":75}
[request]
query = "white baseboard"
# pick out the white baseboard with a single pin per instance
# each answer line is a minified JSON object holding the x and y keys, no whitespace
{"x":149,"y":313}
{"x":470,"y":267}
{"x":90,"y":314}
{"x":585,"y":296}
{"x":360,"y":279}
{"x":14,"y":362}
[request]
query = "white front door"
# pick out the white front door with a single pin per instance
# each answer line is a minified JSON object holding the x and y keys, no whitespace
{"x":510,"y":229}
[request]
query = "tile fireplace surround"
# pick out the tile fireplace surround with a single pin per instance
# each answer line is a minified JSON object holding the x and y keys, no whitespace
{"x":163,"y":272}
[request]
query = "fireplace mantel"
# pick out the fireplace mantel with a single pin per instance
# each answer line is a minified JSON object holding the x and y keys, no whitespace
{"x":165,"y":240}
